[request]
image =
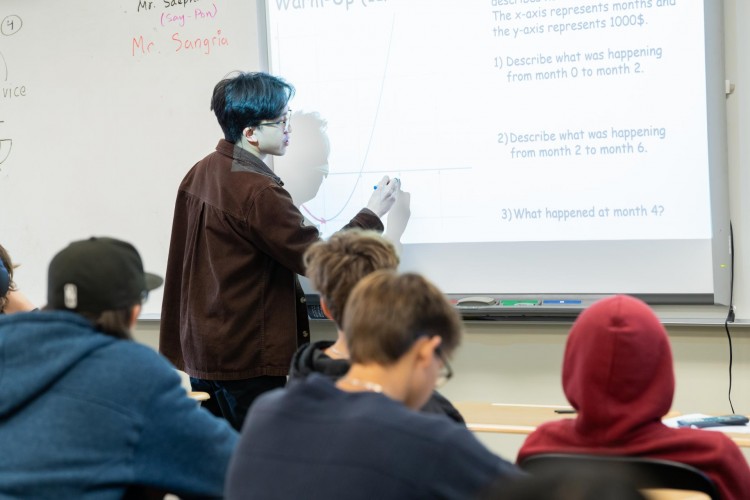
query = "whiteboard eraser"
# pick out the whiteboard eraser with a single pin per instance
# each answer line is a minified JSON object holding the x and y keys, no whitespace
{"x":476,"y":301}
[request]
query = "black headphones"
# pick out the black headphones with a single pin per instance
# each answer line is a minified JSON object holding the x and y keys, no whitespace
{"x":4,"y":279}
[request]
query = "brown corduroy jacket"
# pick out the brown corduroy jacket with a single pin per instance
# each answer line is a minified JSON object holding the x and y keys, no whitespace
{"x":232,"y":306}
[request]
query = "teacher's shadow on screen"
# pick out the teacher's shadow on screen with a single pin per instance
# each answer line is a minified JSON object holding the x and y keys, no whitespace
{"x":305,"y":164}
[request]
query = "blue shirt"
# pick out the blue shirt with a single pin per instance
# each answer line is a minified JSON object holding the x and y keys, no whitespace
{"x":315,"y":441}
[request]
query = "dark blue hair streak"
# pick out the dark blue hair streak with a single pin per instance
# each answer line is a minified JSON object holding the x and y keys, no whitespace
{"x":246,"y":99}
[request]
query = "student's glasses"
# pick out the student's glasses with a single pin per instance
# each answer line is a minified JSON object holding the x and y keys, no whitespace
{"x":283,"y":122}
{"x":446,"y":372}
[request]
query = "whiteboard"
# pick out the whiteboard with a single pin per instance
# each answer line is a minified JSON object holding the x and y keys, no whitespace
{"x":105,"y":107}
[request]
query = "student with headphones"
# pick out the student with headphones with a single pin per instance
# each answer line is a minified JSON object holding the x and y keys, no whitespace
{"x":11,"y":300}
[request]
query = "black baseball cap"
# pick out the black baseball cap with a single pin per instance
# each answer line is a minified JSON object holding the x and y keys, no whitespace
{"x":96,"y":275}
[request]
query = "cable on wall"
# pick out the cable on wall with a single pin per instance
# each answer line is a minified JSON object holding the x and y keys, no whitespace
{"x":730,"y":313}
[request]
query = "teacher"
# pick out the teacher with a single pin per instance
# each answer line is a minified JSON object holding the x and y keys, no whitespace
{"x":233,"y":312}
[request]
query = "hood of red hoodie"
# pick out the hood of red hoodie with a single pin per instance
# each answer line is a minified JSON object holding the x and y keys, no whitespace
{"x":617,"y":371}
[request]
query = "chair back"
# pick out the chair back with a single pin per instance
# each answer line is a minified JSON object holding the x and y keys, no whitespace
{"x":639,"y":471}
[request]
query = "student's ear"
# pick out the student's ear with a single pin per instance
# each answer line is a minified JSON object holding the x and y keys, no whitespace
{"x":425,"y":353}
{"x":134,"y":313}
{"x":325,"y":309}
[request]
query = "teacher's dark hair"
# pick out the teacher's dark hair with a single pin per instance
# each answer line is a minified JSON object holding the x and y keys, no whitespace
{"x":246,"y":99}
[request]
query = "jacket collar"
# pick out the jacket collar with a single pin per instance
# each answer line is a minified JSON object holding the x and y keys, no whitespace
{"x":245,"y":161}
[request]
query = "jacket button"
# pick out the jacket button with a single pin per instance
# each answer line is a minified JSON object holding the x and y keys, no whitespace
{"x":303,"y":300}
{"x":304,"y":333}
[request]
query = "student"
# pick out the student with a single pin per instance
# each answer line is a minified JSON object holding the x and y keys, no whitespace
{"x":85,"y":411}
{"x":334,"y":268}
{"x":618,"y":375}
{"x":11,"y":300}
{"x":359,"y":437}
{"x":233,"y":311}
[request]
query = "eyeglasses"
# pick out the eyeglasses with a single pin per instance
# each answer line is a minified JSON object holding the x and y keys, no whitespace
{"x":284,"y":122}
{"x":446,"y":372}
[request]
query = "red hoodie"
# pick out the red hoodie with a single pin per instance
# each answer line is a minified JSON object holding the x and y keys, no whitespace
{"x":618,"y":375}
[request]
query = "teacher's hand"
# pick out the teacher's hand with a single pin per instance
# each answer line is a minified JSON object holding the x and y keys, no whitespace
{"x":384,"y":196}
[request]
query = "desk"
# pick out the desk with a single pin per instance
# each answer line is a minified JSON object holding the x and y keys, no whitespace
{"x":742,"y":440}
{"x":509,"y":418}
{"x":524,"y":419}
{"x":199,"y":396}
{"x":661,"y":494}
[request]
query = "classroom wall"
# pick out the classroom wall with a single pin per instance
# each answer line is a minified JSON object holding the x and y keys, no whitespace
{"x":737,"y":40}
{"x":520,"y":363}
